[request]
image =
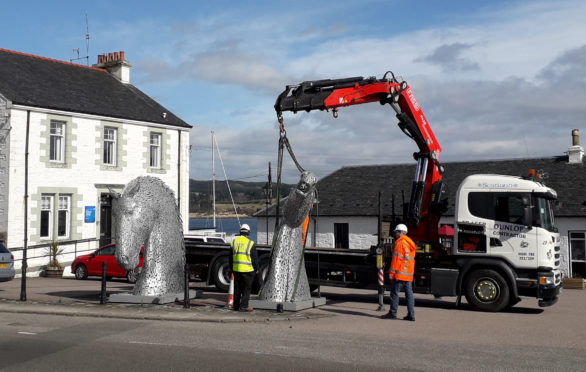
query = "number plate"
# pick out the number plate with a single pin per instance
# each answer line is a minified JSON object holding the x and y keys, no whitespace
{"x":3,"y":266}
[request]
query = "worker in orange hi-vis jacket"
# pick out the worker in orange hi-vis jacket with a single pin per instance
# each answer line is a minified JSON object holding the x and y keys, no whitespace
{"x":401,"y":274}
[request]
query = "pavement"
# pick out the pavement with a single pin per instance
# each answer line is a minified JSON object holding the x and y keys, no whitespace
{"x":71,"y":297}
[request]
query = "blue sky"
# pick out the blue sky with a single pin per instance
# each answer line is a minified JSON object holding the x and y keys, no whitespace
{"x":496,"y":80}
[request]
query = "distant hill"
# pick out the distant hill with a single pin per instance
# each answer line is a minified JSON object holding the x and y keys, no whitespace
{"x":200,"y":194}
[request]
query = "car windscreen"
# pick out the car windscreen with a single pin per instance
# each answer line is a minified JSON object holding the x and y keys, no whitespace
{"x":3,"y":248}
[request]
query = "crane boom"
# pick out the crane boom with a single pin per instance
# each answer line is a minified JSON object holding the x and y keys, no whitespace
{"x":426,"y":203}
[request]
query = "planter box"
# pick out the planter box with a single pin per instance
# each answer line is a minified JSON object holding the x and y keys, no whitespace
{"x":573,"y":283}
{"x":53,"y":272}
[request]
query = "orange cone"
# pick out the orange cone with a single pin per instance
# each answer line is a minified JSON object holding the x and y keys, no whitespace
{"x":230,"y":299}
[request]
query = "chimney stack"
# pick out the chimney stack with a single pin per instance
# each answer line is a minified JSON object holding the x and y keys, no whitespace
{"x":116,"y":65}
{"x":575,"y":152}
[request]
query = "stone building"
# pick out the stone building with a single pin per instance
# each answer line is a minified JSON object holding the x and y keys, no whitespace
{"x":68,"y":135}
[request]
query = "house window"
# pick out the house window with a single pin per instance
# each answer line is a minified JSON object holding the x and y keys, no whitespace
{"x":155,"y":150}
{"x":46,"y":216}
{"x":110,"y":137}
{"x":63,"y":216}
{"x":57,"y":142}
{"x":578,"y":253}
{"x":341,"y":235}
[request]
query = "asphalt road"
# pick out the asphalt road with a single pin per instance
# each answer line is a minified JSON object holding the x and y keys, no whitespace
{"x":345,"y":335}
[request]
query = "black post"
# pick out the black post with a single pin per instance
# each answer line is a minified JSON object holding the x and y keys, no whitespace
{"x":379,"y":256}
{"x":25,"y":249}
{"x":103,"y":293}
{"x":186,"y":302}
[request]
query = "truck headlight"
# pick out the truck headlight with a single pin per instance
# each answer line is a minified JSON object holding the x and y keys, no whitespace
{"x":546,"y":280}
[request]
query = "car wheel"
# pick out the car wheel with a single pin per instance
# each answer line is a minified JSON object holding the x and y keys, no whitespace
{"x":81,"y":272}
{"x":487,"y":290}
{"x":220,"y":273}
{"x":132,"y":276}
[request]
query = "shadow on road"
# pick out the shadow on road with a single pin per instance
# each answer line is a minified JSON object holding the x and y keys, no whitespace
{"x":432,"y":303}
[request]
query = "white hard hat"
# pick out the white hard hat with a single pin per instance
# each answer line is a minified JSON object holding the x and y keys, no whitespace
{"x":401,"y":227}
{"x":245,"y":228}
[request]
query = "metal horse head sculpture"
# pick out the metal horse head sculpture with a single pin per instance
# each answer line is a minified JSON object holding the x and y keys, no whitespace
{"x":147,"y":214}
{"x":287,"y":279}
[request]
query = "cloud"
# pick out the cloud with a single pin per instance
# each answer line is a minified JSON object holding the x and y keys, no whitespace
{"x":448,"y":58}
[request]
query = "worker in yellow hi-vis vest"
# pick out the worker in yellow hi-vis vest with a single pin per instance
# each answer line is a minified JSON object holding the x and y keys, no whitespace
{"x":244,"y":265}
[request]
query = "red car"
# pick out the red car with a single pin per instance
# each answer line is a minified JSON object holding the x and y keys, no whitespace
{"x":91,"y":264}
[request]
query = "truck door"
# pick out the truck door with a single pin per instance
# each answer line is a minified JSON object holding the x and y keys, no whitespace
{"x":510,"y":238}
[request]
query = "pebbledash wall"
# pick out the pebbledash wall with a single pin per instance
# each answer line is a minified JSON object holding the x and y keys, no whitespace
{"x":83,"y":175}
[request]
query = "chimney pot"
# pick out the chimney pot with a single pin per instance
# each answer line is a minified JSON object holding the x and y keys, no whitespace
{"x":110,"y":57}
{"x":116,"y":57}
{"x":576,"y":137}
{"x":122,"y":55}
{"x":99,"y":59}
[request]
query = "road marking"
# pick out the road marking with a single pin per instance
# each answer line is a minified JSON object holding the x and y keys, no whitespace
{"x":26,"y":333}
{"x":150,"y":343}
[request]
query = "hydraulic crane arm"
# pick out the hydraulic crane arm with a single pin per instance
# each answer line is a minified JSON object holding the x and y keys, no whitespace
{"x":425,"y":206}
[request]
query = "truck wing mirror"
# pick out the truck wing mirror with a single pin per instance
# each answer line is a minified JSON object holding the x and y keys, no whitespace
{"x":527,"y":216}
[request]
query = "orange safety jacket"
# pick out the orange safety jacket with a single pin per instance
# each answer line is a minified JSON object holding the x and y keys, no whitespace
{"x":403,"y":264}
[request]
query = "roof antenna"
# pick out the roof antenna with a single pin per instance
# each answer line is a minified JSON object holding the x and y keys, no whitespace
{"x":87,"y":45}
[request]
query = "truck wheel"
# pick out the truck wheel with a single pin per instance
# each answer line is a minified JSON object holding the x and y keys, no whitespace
{"x":220,"y":273}
{"x":487,"y":290}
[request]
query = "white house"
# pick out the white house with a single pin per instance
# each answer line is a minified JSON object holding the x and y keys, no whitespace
{"x":68,"y":135}
{"x":346,"y":215}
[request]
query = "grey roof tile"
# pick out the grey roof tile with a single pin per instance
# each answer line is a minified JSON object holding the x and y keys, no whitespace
{"x":353,"y":191}
{"x":46,"y":83}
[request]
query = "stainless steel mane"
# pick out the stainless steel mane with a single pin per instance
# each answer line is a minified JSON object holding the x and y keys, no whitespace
{"x":147,"y":214}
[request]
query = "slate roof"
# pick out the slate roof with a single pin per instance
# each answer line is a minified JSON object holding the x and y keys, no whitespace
{"x":353,"y":191}
{"x":46,"y":83}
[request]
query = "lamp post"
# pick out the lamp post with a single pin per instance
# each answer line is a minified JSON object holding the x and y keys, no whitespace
{"x":268,"y":192}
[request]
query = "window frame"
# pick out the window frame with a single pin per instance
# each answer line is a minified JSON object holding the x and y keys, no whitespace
{"x":579,"y":262}
{"x":50,"y":211}
{"x":110,"y":146}
{"x":57,"y":137}
{"x":155,"y":152}
{"x":341,"y":235}
{"x":67,"y":219}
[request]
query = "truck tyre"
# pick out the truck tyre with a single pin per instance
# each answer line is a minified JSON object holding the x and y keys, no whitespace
{"x":221,"y":273}
{"x":487,"y":290}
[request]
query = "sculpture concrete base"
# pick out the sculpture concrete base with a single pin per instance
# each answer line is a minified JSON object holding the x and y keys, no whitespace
{"x":288,"y":305}
{"x":129,"y":298}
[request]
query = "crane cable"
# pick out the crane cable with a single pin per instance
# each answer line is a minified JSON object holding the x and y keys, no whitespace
{"x":283,"y":142}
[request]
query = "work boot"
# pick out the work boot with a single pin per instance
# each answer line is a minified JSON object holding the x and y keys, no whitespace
{"x":389,"y":316}
{"x":409,"y":318}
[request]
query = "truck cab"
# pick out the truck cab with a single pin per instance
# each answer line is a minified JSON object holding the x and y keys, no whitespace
{"x":505,"y":224}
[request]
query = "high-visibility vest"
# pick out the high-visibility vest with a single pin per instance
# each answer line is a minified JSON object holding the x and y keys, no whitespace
{"x":403,"y":264}
{"x":241,"y":261}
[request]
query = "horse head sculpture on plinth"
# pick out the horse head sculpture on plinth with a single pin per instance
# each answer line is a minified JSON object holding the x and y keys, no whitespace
{"x":147,"y":215}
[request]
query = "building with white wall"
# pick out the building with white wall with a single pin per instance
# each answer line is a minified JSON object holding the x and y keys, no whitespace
{"x":346,"y":215}
{"x":68,"y":135}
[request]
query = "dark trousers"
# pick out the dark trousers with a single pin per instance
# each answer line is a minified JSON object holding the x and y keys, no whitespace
{"x":396,"y":287}
{"x":242,"y":288}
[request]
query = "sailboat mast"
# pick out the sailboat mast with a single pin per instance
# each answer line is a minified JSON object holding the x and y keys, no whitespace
{"x":214,"y":177}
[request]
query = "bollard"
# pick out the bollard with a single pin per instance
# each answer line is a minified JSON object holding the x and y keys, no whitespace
{"x":381,"y":279}
{"x":103,"y":298}
{"x":186,"y":302}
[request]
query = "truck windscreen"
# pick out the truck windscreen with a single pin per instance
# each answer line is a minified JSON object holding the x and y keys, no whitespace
{"x":543,"y":214}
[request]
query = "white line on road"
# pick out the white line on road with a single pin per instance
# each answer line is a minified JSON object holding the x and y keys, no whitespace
{"x":26,"y":333}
